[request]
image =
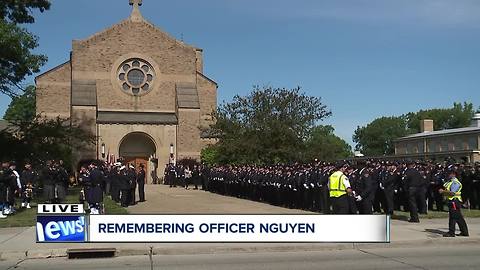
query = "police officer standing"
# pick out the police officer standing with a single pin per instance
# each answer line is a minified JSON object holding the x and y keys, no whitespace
{"x":132,"y":178}
{"x":141,"y":183}
{"x":124,"y":186}
{"x":5,"y":177}
{"x":339,"y":188}
{"x":115,"y":182}
{"x":413,"y":185}
{"x":453,"y":192}
{"x":28,"y":179}
{"x":368,"y":190}
{"x":94,"y":192}
{"x":171,"y":175}
{"x":388,"y":186}
{"x":60,"y":182}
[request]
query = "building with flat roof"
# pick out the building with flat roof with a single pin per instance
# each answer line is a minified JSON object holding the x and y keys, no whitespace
{"x":461,"y":144}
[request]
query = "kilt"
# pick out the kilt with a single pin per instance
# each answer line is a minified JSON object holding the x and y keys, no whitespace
{"x":61,"y":191}
{"x":94,"y":194}
{"x":49,"y":192}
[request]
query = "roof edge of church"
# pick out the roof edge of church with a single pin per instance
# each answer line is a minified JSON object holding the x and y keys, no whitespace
{"x":50,"y":70}
{"x":96,"y":35}
{"x":207,"y":78}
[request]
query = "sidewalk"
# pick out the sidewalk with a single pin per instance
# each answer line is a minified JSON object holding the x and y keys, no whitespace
{"x":19,"y":243}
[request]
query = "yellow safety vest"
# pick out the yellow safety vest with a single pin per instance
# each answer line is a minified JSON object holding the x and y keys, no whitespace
{"x":458,"y":194}
{"x":336,"y":186}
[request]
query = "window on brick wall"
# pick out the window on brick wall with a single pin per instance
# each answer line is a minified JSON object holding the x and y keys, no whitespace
{"x":431,"y":146}
{"x":458,"y":144}
{"x":410,"y":148}
{"x":451,"y":145}
{"x":473,"y":143}
{"x":420,"y":147}
{"x":136,"y":76}
{"x":444,"y":146}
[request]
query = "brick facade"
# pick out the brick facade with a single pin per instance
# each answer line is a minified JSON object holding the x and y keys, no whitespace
{"x":93,"y":68}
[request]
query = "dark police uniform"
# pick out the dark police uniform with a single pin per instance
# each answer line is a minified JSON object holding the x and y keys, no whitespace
{"x":124,"y":186}
{"x":141,"y":184}
{"x":48,"y":180}
{"x":388,"y":184}
{"x":94,"y":192}
{"x":413,"y":185}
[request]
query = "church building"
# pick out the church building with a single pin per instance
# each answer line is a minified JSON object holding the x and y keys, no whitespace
{"x":141,"y":92}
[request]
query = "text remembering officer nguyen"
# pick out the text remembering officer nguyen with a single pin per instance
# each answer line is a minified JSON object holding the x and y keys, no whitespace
{"x":206,"y":228}
{"x":238,"y":228}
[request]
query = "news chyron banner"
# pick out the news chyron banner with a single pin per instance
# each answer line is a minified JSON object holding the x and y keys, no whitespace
{"x":239,"y":228}
{"x":69,"y":223}
{"x":61,"y":223}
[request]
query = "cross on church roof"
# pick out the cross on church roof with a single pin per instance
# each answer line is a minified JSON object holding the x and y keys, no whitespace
{"x":136,"y":16}
{"x":135,"y":3}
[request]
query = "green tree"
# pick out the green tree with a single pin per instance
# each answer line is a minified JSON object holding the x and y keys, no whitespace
{"x":209,"y":155}
{"x":41,"y":139}
{"x":267,"y":126}
{"x":16,"y":57}
{"x":22,"y":108}
{"x":444,"y":118}
{"x":323,"y":144}
{"x":377,"y":137}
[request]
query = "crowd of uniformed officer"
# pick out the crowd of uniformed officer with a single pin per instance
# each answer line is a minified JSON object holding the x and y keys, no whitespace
{"x":14,"y":186}
{"x":51,"y":182}
{"x":118,"y":180}
{"x":376,"y":186}
{"x":185,"y":175}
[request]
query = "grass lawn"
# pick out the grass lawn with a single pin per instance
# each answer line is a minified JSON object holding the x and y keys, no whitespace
{"x":27,"y":217}
{"x":468,"y":213}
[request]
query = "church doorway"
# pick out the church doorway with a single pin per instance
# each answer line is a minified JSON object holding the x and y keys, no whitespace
{"x":137,"y":148}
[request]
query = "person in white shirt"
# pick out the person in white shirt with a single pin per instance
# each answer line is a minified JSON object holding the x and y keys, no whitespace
{"x":188,"y":176}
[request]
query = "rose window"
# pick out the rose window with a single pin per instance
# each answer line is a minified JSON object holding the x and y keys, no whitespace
{"x":136,"y":76}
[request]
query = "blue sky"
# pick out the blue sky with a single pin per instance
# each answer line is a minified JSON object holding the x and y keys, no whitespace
{"x":366,"y":59}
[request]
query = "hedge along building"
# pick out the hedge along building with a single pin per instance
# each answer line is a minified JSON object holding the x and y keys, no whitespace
{"x":139,"y":90}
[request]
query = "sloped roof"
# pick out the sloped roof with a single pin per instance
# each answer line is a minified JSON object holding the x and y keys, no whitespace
{"x":444,"y":132}
{"x":208,"y":134}
{"x":51,"y":70}
{"x":133,"y":18}
{"x":3,"y":124}
{"x":187,"y":97}
{"x":207,"y":78}
{"x":7,"y":126}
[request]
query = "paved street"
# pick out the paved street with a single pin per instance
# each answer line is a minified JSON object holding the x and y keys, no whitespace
{"x":18,"y":243}
{"x":447,"y":257}
{"x":162,"y":199}
{"x":413,"y":245}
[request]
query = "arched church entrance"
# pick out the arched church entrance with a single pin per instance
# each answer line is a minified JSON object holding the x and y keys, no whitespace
{"x":137,"y":148}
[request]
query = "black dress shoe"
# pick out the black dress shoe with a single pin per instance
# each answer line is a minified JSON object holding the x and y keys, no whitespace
{"x":449,"y":235}
{"x":464,"y":234}
{"x":414,"y":221}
